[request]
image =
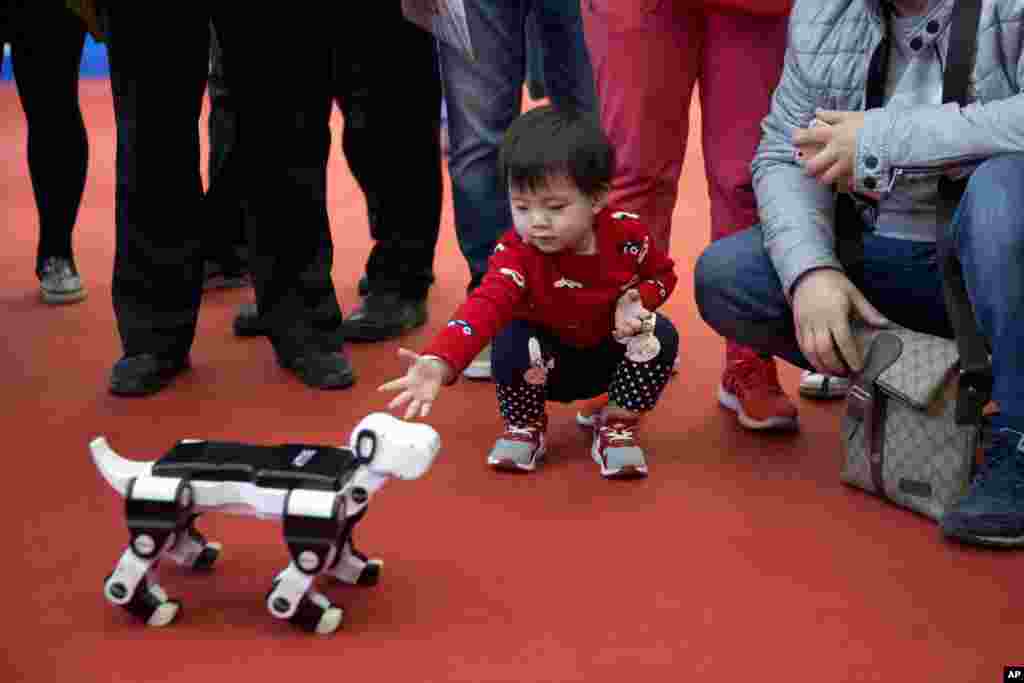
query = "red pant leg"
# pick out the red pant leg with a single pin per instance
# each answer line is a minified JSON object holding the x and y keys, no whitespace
{"x":645,"y":55}
{"x":740,"y":67}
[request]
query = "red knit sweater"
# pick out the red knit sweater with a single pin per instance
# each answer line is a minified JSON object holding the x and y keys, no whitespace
{"x":571,"y":295}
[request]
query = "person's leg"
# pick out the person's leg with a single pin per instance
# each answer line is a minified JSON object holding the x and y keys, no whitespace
{"x":283,"y":142}
{"x":738,"y":44}
{"x":645,"y":58}
{"x":158,"y":259}
{"x":740,"y":296}
{"x":633,"y":391}
{"x":406,"y":215}
{"x":483,"y":97}
{"x":521,"y":381}
{"x":534,"y":59}
{"x":45,"y":55}
{"x":989,"y":237}
{"x":747,"y":49}
{"x":558,"y":54}
{"x":226,"y":250}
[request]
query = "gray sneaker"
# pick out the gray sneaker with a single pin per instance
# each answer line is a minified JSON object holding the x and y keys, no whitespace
{"x":615,"y":448}
{"x":59,"y":282}
{"x":480,"y":368}
{"x":519,"y":448}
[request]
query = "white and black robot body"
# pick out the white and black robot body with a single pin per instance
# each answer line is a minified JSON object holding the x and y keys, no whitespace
{"x":318,"y":492}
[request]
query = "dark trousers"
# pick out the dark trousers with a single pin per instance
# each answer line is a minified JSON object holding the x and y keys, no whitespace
{"x":226,"y":244}
{"x":281,"y":156}
{"x":575,"y":374}
{"x":391,"y":140}
{"x":388,"y":105}
{"x":46,"y":51}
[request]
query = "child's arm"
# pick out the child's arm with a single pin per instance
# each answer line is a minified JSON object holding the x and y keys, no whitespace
{"x":484,"y":313}
{"x":658,"y":277}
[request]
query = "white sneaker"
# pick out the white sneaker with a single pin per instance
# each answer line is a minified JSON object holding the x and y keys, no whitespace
{"x":820,"y":385}
{"x":480,"y":368}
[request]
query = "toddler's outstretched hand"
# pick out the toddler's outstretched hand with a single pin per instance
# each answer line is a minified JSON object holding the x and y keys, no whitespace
{"x":420,"y":385}
{"x":630,"y":315}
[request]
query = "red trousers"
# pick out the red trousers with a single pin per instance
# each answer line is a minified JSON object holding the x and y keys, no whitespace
{"x":647,"y":55}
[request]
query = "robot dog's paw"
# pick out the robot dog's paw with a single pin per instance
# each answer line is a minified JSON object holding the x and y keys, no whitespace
{"x":149,"y":603}
{"x":316,"y":614}
{"x":207,"y":557}
{"x":371,"y":573}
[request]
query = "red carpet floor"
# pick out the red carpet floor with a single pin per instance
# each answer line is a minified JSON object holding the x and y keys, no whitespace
{"x":741,"y":558}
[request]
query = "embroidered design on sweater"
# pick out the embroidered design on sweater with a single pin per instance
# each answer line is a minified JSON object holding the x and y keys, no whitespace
{"x":467,"y":329}
{"x":567,"y":283}
{"x":637,"y":248}
{"x":662,"y":291}
{"x":516,"y":276}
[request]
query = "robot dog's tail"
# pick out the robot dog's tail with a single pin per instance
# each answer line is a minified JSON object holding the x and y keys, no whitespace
{"x":116,"y":470}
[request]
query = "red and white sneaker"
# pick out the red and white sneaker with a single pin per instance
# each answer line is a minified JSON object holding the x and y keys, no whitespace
{"x":519,"y":448}
{"x":750,"y":388}
{"x":615,"y":449}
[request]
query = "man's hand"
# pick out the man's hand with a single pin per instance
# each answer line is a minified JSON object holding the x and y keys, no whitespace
{"x":420,"y":385}
{"x":630,"y":315}
{"x":829,"y":151}
{"x":823,"y":302}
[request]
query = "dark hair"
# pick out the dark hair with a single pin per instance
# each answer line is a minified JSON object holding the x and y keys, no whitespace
{"x":548,"y":141}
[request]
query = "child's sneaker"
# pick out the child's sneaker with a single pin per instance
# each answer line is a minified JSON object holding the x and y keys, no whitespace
{"x":615,"y":449}
{"x":750,"y":388}
{"x":520,"y":448}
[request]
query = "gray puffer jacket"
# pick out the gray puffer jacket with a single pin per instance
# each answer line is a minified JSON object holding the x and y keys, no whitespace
{"x":831,"y":43}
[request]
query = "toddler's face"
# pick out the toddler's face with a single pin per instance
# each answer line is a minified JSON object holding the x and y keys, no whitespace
{"x":555,"y":216}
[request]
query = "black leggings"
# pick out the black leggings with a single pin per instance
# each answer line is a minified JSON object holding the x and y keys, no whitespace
{"x":46,"y":51}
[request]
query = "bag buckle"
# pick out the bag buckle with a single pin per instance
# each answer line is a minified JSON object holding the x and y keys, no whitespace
{"x":974,"y":391}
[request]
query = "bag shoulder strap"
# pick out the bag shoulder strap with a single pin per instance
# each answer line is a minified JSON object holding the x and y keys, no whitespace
{"x":975,"y":383}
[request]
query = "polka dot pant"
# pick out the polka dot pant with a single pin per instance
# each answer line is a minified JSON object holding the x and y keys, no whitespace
{"x":637,"y":386}
{"x":522,"y":404}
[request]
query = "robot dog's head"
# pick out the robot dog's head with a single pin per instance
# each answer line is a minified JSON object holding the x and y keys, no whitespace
{"x":389,"y":446}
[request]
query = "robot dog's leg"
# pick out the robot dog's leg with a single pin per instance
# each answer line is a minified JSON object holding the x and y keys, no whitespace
{"x":352,"y":567}
{"x":157,"y":511}
{"x":313,"y":521}
{"x":192,"y":550}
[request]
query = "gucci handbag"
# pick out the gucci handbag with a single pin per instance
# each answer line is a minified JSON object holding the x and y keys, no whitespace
{"x":900,"y":436}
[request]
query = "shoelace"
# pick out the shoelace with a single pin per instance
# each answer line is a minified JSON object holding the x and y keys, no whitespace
{"x":618,"y":431}
{"x":529,"y":433}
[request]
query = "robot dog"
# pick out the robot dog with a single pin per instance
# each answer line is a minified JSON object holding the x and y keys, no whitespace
{"x":319,"y":493}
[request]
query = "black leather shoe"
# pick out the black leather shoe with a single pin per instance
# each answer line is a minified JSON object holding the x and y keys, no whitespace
{"x":384,"y":316}
{"x":248,"y":323}
{"x":144,"y":374}
{"x":321,"y":369}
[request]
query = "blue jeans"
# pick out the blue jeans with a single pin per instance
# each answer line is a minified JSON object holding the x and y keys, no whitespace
{"x":484,"y":96}
{"x":740,"y":295}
